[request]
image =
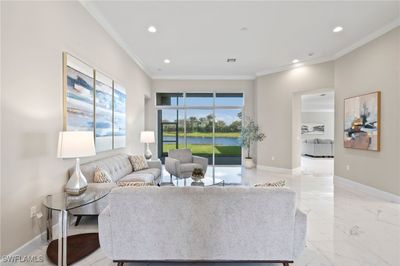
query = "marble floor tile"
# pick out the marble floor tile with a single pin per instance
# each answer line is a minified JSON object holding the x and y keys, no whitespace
{"x":345,"y":227}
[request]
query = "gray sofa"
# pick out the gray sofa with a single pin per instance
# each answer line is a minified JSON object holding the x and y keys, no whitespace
{"x":317,"y":147}
{"x":202,"y":224}
{"x":181,"y":162}
{"x":120,"y":169}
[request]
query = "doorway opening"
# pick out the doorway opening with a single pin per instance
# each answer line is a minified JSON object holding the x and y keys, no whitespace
{"x":317,"y":133}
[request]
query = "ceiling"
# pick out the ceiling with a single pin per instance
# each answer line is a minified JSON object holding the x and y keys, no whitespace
{"x":320,"y":102}
{"x":199,"y":36}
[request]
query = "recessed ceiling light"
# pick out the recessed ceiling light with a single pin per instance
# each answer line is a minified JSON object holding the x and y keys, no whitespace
{"x":295,"y":61}
{"x":152,"y":29}
{"x":337,"y":29}
{"x":167,"y":61}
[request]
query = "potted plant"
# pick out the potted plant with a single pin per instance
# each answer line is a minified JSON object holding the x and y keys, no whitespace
{"x":250,"y":134}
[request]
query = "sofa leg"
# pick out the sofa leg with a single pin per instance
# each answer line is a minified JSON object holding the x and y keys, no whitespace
{"x":170,"y":176}
{"x":120,"y":263}
{"x":286,"y":263}
{"x":78,"y":220}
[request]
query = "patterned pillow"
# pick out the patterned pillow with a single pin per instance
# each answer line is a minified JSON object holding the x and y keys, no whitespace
{"x":138,"y":162}
{"x":134,"y":184}
{"x":101,"y":176}
{"x":280,"y":183}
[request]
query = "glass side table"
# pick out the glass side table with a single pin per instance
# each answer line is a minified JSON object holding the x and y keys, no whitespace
{"x":62,"y":202}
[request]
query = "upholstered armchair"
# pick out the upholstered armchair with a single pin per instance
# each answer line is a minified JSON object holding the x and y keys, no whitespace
{"x":180,"y":163}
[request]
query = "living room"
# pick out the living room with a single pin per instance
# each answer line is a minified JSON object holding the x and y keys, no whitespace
{"x":146,"y":133}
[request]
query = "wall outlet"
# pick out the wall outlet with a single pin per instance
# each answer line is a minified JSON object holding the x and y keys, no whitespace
{"x":33,"y":211}
{"x":273,"y":158}
{"x":348,"y":167}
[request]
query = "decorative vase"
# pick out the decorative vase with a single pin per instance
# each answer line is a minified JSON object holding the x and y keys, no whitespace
{"x":197,"y":174}
{"x":249,"y":163}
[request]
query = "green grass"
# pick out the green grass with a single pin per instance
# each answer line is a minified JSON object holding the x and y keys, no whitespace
{"x":207,"y":149}
{"x":206,"y":134}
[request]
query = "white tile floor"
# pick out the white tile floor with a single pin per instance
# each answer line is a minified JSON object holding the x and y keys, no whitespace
{"x":345,"y":227}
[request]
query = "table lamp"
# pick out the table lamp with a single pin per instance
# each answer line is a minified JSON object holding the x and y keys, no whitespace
{"x":76,"y":144}
{"x":147,"y":137}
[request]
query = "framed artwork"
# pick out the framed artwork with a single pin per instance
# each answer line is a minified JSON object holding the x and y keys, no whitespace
{"x":362,"y":122}
{"x":312,"y":129}
{"x":78,"y":95}
{"x":119,"y":116}
{"x":94,"y":102}
{"x":103,"y":112}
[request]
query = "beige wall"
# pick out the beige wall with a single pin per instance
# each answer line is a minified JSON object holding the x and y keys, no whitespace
{"x":33,"y":37}
{"x":276,"y":95}
{"x":375,"y":66}
{"x":244,"y":86}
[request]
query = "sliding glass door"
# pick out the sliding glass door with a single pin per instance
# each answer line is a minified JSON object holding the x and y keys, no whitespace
{"x":207,"y":123}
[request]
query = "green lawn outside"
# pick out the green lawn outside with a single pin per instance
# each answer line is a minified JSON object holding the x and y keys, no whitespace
{"x":206,"y":134}
{"x":207,"y":149}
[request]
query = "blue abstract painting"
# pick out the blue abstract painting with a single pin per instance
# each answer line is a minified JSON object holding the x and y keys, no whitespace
{"x":104,"y":116}
{"x":79,"y":101}
{"x":119,"y":117}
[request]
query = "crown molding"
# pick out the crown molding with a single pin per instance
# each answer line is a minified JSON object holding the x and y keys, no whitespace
{"x":96,"y":14}
{"x":92,"y":10}
{"x":293,"y":66}
{"x":370,"y":37}
{"x":204,"y":77}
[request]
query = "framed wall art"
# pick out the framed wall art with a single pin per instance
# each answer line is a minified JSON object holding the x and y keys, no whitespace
{"x":362,"y":122}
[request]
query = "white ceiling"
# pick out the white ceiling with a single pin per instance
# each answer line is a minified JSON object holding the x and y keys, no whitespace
{"x":320,"y":102}
{"x":199,"y":36}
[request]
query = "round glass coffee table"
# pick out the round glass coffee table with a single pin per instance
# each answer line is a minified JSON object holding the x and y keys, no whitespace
{"x":205,"y":182}
{"x":62,"y":202}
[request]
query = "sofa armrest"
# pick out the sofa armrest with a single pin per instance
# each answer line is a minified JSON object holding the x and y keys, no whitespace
{"x":300,"y":230}
{"x":155,"y":164}
{"x":105,"y":233}
{"x":172,"y":166}
{"x":201,"y":160}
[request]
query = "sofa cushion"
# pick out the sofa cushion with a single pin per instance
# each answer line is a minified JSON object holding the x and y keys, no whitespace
{"x":101,"y":176}
{"x":182,"y":155}
{"x":138,"y":162}
{"x":138,"y":177}
{"x":188,"y":167}
{"x":117,"y":166}
{"x":156,"y":172}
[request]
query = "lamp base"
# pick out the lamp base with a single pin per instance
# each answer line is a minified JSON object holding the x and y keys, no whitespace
{"x":77,"y":183}
{"x":148,"y":153}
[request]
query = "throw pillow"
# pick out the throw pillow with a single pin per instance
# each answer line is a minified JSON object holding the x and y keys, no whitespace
{"x":101,"y":176}
{"x":134,"y":184}
{"x":138,"y":162}
{"x":280,"y":183}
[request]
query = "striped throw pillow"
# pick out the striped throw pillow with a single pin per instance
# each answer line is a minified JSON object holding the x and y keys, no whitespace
{"x":280,"y":183}
{"x":101,"y":176}
{"x":134,"y":184}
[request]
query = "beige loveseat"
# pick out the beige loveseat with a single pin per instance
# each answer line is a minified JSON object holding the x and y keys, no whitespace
{"x":120,"y":169}
{"x":202,"y":224}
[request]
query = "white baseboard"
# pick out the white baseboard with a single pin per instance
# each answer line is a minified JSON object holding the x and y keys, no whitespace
{"x":338,"y":180}
{"x":274,"y":169}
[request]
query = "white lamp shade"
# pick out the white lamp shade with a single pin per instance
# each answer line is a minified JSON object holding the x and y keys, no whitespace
{"x":75,"y":144}
{"x":147,"y":137}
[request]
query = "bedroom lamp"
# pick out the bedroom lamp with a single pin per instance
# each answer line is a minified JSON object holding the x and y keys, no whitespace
{"x":147,"y":137}
{"x":76,"y":144}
